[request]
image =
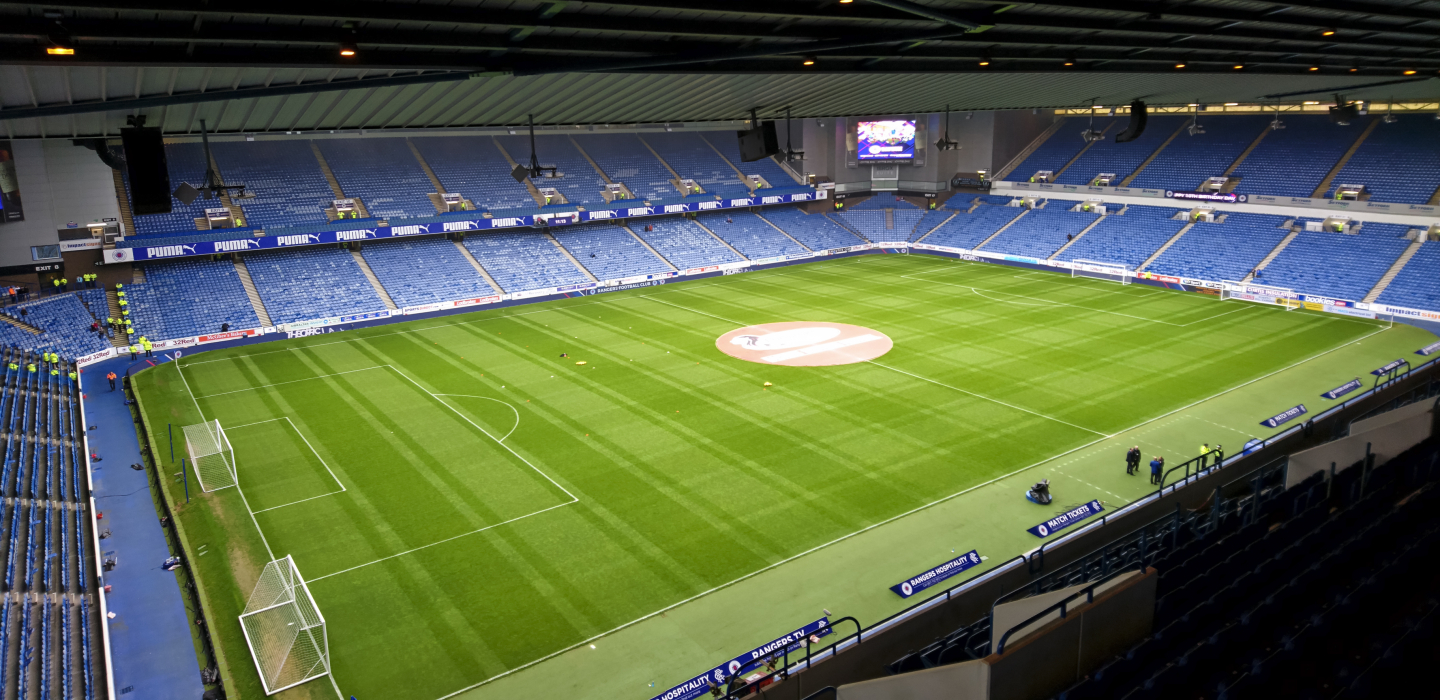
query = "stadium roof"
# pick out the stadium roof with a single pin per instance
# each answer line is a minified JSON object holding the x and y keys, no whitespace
{"x":265,"y":65}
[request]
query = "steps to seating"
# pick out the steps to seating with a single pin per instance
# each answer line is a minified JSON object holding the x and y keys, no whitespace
{"x":1246,"y":153}
{"x":478,"y":267}
{"x":1131,"y":177}
{"x":1077,"y":237}
{"x":112,"y":303}
{"x":1001,"y":230}
{"x":325,"y":168}
{"x":722,"y":240}
{"x":1340,"y":164}
{"x":1173,"y":239}
{"x":653,"y":152}
{"x":783,"y":232}
{"x":1394,"y":270}
{"x":571,"y":258}
{"x":1080,"y":154}
{"x":20,"y":324}
{"x":251,"y":293}
{"x":124,"y":202}
{"x":1273,"y":254}
{"x":374,"y":281}
{"x":1020,"y":157}
{"x":941,"y":224}
{"x":654,"y":252}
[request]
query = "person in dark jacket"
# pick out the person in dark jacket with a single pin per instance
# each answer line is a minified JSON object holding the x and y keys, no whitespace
{"x":1157,"y":466}
{"x":1132,"y":460}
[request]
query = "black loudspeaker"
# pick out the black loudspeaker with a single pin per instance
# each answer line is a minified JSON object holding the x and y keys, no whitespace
{"x":186,"y":193}
{"x":1138,"y":116}
{"x":757,"y":143}
{"x":145,"y":165}
{"x":520,"y":173}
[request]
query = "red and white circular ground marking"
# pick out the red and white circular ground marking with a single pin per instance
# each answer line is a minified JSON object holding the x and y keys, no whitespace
{"x":804,"y":344}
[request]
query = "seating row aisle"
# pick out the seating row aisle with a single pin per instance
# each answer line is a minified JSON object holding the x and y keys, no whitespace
{"x":749,"y":234}
{"x":311,"y":283}
{"x":684,"y":243}
{"x":814,"y":231}
{"x":520,"y":262}
{"x":1042,"y":231}
{"x":184,"y":298}
{"x":1128,"y":238}
{"x":425,"y":271}
{"x":609,"y":252}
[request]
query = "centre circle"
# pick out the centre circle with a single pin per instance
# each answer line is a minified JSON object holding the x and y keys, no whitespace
{"x":804,"y":344}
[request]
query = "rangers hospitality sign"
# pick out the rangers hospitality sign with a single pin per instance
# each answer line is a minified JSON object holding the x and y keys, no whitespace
{"x":1064,"y":520}
{"x":1342,"y":390}
{"x":700,"y":685}
{"x":915,"y":584}
{"x":401,"y":230}
{"x":1284,"y":416}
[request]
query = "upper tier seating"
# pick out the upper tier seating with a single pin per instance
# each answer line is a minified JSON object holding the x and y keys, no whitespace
{"x":1398,"y":162}
{"x":186,"y":163}
{"x":1333,"y":264}
{"x":1418,"y":284}
{"x":625,"y":159}
{"x":609,"y":252}
{"x":580,"y":184}
{"x":473,"y":167}
{"x":1000,"y":200}
{"x":1042,"y":231}
{"x":424,"y":271}
{"x":969,"y":230}
{"x":1057,"y":150}
{"x":1120,"y":158}
{"x":311,"y":283}
{"x":287,"y":181}
{"x":683,"y":243}
{"x":765,"y":167}
{"x":520,"y":262}
{"x":383,"y":173}
{"x":881,"y":201}
{"x":1222,"y":251}
{"x":1189,"y":160}
{"x":750,"y":235}
{"x":690,"y":156}
{"x":184,"y":298}
{"x":1291,"y":162}
{"x":1129,"y":238}
{"x":814,"y":231}
{"x":928,"y":222}
{"x":64,"y":320}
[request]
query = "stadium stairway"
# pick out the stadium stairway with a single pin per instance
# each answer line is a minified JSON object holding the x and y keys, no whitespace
{"x":1173,"y":240}
{"x":1146,"y":163}
{"x":1077,"y":237}
{"x":20,"y":324}
{"x":1023,"y":155}
{"x":1246,"y":153}
{"x":722,"y":240}
{"x":374,"y":281}
{"x":1081,"y":153}
{"x":571,"y":258}
{"x":1394,"y":270}
{"x":254,"y":296}
{"x":675,"y":175}
{"x":938,"y":226}
{"x":1279,"y":248}
{"x":786,"y":234}
{"x":1001,"y":230}
{"x":1340,"y":164}
{"x":842,"y":224}
{"x":478,"y":267}
{"x":648,"y":247}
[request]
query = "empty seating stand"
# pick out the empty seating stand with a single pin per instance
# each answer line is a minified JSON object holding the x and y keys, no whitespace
{"x":184,"y":298}
{"x":1128,"y":239}
{"x":383,"y":173}
{"x":284,"y":176}
{"x":970,"y":230}
{"x":580,"y":184}
{"x":1042,"y":231}
{"x":521,"y":262}
{"x":424,"y":271}
{"x":609,"y":252}
{"x":815,"y":231}
{"x":1418,"y":284}
{"x":766,"y":168}
{"x":1397,"y":162}
{"x":625,"y":159}
{"x":311,"y":283}
{"x":1190,"y":159}
{"x":1222,"y":251}
{"x":186,"y":163}
{"x":64,"y":322}
{"x":683,"y":243}
{"x":750,"y":235}
{"x":1122,"y":159}
{"x":1333,"y":264}
{"x":1057,"y":150}
{"x":48,"y":620}
{"x":690,"y":156}
{"x":1293,"y":161}
{"x":474,"y":168}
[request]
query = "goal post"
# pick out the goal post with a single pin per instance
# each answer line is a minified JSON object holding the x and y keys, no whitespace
{"x":211,"y":455}
{"x":1094,"y":269}
{"x":284,"y":629}
{"x":1261,"y":294}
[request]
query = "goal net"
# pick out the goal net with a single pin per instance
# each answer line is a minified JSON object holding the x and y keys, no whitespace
{"x":1261,"y":294}
{"x":1093,"y":269}
{"x":211,"y":455}
{"x":284,"y":629}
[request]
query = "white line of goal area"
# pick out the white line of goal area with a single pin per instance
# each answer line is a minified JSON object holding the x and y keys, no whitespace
{"x":323,"y":463}
{"x":498,"y":441}
{"x":891,"y":519}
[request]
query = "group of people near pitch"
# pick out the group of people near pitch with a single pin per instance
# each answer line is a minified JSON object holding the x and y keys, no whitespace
{"x":1157,"y":464}
{"x":48,"y":361}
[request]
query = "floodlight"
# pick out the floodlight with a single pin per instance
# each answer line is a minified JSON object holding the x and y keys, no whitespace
{"x":347,"y":50}
{"x":60,"y":51}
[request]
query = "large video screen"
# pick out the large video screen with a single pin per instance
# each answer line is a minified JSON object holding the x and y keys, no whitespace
{"x":891,"y":139}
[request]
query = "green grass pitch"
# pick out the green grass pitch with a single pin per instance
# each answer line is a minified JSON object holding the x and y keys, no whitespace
{"x":473,"y":512}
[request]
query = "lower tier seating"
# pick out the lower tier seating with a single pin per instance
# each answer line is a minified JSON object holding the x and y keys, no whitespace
{"x":185,"y":298}
{"x":970,"y":230}
{"x":814,"y":231}
{"x":311,"y":283}
{"x":750,"y":235}
{"x":609,"y":252}
{"x":684,"y":243}
{"x":1222,"y":251}
{"x":1042,"y":231}
{"x":424,"y":271}
{"x":520,"y":262}
{"x":1333,"y":264}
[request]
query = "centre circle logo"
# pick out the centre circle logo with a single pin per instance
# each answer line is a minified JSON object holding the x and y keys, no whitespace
{"x":804,"y":344}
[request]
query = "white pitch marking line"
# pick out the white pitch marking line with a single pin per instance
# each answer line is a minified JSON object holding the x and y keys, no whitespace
{"x":266,"y":386}
{"x":987,"y":398}
{"x":487,"y":398}
{"x":1049,"y":302}
{"x":262,"y":510}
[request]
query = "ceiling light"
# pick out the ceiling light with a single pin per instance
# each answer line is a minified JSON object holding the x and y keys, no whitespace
{"x":1069,"y":63}
{"x":347,"y":50}
{"x":1179,"y":65}
{"x":1409,"y":72}
{"x":60,"y":51}
{"x":1314,"y":67}
{"x":846,"y":2}
{"x":1352,"y":70}
{"x":984,"y":61}
{"x":808,"y":61}
{"x":1328,"y":32}
{"x":1232,"y":104}
{"x":1238,"y":66}
{"x":1312,"y":102}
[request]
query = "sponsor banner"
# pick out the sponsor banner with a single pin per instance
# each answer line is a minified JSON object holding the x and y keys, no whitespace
{"x":1284,"y":416}
{"x":94,"y":357}
{"x":534,"y":293}
{"x":768,"y":261}
{"x":1430,"y":349}
{"x":82,"y":244}
{"x":735,"y":265}
{"x":178,"y":342}
{"x":882,"y":244}
{"x":1326,"y":301}
{"x":307,"y":332}
{"x":988,"y":255}
{"x":700,"y":685}
{"x":799,"y":256}
{"x":915,"y":584}
{"x":1381,"y":371}
{"x":421,"y":308}
{"x":166,"y":252}
{"x":1099,"y":269}
{"x":1199,"y":283}
{"x":302,"y":325}
{"x":1343,"y":389}
{"x":572,"y":288}
{"x":1066,"y":519}
{"x":475,"y":302}
{"x":1349,"y":311}
{"x":227,"y":335}
{"x":1159,"y":278}
{"x":1225,"y":197}
{"x":1019,"y":258}
{"x":1408,"y":313}
{"x":702,"y":270}
{"x":368,"y":316}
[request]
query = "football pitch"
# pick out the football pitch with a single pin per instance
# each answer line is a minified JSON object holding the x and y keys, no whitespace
{"x":474,"y":511}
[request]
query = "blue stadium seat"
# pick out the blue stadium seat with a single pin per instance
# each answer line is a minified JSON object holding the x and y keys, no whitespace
{"x":383,"y":173}
{"x":625,"y":159}
{"x":750,"y":235}
{"x":1418,"y":284}
{"x":1127,"y":238}
{"x":183,"y":298}
{"x":424,"y":271}
{"x":1398,"y":162}
{"x":1291,"y":162}
{"x":683,"y":243}
{"x":284,"y":176}
{"x":690,"y":156}
{"x":1333,"y":264}
{"x":580,"y":184}
{"x":1107,"y":156}
{"x":311,"y":283}
{"x":473,"y":167}
{"x":521,"y":262}
{"x":609,"y":252}
{"x":969,"y":230}
{"x":1222,"y":251}
{"x":814,"y":231}
{"x":1041,"y":232}
{"x":1188,"y":160}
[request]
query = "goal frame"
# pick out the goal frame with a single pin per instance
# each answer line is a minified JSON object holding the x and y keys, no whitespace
{"x":1270,"y":295}
{"x":1098,"y":270}
{"x":211,"y":455}
{"x":292,"y":600}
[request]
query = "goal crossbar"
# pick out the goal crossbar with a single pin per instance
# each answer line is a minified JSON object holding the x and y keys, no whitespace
{"x":1096,"y":269}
